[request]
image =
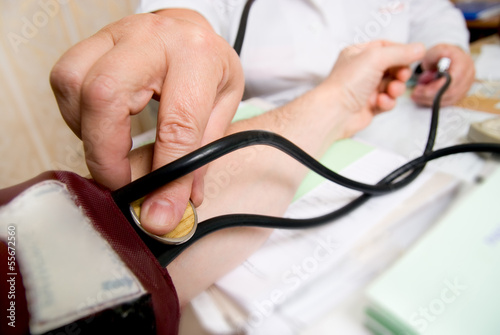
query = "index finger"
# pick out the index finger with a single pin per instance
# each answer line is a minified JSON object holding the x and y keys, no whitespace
{"x":391,"y":55}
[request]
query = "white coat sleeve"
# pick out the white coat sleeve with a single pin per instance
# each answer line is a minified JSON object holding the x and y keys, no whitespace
{"x":437,"y":21}
{"x":220,"y":14}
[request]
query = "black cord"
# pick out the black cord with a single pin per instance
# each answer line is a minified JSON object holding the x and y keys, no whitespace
{"x":248,"y":220}
{"x":238,"y":43}
{"x":145,"y":185}
{"x":210,"y":152}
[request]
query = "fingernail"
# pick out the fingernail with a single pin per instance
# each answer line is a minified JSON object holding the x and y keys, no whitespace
{"x":157,"y":214}
{"x":197,"y":192}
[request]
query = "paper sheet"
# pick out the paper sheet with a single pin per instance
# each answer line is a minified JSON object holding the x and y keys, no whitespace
{"x":297,"y":276}
{"x":488,"y":63}
{"x":404,"y":130}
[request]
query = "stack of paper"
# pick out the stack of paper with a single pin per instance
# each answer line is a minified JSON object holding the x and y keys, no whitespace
{"x":404,"y":130}
{"x":298,"y":276}
{"x":488,"y":65}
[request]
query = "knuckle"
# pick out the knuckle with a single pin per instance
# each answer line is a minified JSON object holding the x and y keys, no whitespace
{"x":66,"y":81}
{"x":202,"y":40}
{"x":199,"y":40}
{"x":131,"y":22}
{"x":100,"y":90}
{"x":183,"y":31}
{"x":95,"y":165}
{"x":150,"y":20}
{"x":132,"y":19}
{"x":179,"y":132}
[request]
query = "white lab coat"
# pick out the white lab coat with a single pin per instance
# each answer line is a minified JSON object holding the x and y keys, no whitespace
{"x":291,"y":45}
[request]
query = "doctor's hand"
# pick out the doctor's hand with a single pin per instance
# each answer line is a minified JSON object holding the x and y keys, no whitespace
{"x":173,"y":56}
{"x":369,"y":78}
{"x":462,"y":73}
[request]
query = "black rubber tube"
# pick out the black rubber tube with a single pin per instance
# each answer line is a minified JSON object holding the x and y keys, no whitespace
{"x":238,"y":43}
{"x":187,"y":164}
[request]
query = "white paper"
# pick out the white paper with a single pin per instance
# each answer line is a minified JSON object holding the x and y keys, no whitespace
{"x":297,"y":276}
{"x":404,"y":130}
{"x":488,"y":63}
{"x":339,"y":258}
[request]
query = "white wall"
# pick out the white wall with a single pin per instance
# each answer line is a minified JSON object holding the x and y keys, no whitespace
{"x":34,"y":34}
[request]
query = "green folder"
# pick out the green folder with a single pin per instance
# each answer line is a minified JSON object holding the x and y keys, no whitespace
{"x":448,"y":283}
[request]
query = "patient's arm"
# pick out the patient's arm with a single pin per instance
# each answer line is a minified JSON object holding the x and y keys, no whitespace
{"x":262,"y":180}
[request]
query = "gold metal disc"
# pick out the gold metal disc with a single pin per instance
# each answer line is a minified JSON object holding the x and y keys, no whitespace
{"x":182,"y":233}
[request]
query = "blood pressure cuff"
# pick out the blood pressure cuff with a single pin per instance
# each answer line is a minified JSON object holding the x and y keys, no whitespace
{"x":72,"y":264}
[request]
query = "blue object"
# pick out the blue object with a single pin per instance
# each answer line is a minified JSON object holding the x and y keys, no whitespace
{"x":479,"y":10}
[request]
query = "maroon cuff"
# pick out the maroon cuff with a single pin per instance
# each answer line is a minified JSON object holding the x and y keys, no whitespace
{"x":108,"y":220}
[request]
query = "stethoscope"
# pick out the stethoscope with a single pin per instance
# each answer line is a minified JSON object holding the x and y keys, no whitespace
{"x":167,"y":248}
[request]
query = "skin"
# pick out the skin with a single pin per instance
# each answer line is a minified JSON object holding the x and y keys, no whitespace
{"x":173,"y":56}
{"x":365,"y":81}
{"x":461,"y":70}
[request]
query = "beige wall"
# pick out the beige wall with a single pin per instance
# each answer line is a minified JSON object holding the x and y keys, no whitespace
{"x":33,"y":136}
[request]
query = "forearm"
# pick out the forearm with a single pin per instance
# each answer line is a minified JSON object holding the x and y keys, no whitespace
{"x":263,"y":180}
{"x":309,"y":122}
{"x":258,"y":180}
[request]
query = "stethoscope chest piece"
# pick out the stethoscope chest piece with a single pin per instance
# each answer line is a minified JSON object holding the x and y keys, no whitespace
{"x":182,"y":233}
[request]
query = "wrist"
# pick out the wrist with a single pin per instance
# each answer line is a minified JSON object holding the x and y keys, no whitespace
{"x":320,"y":114}
{"x":334,"y":108}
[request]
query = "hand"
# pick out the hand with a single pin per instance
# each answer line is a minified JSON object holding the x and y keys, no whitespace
{"x":176,"y":57}
{"x":462,"y":73}
{"x":370,"y":77}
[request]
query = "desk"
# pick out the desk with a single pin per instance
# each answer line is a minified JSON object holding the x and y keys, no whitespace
{"x":480,"y":29}
{"x":487,"y":94}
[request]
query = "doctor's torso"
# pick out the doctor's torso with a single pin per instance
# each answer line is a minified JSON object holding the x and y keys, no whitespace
{"x":291,"y":45}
